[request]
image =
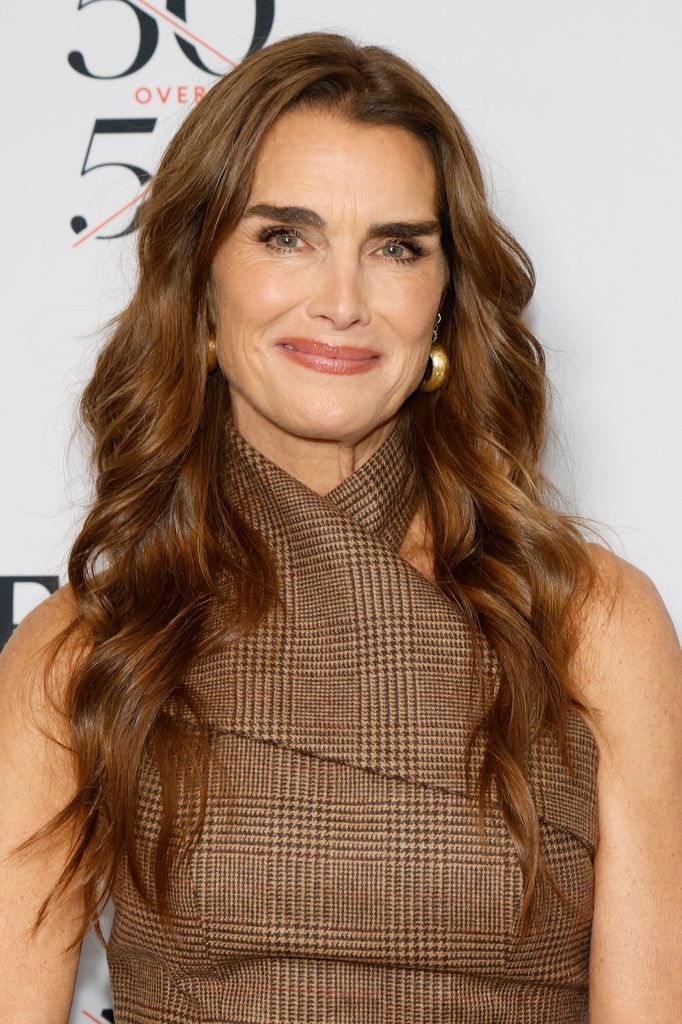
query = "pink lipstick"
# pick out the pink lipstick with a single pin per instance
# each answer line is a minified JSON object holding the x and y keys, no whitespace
{"x":318,"y":355}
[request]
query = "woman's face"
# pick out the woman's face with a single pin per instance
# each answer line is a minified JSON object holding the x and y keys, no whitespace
{"x":327,"y":290}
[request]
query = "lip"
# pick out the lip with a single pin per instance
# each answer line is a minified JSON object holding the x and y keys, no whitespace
{"x":336,"y":359}
{"x":320,"y":348}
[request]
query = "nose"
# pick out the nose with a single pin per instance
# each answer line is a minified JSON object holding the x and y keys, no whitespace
{"x":340,"y":293}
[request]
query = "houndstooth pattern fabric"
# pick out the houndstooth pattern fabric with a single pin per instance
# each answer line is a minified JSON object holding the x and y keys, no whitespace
{"x":340,"y":877}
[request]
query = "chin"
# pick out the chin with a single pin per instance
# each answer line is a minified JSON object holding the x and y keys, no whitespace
{"x":333,"y":424}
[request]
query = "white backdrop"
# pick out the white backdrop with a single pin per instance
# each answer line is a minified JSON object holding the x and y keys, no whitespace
{"x":575,"y":111}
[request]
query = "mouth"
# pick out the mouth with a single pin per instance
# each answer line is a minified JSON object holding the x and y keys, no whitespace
{"x":337,"y":359}
{"x":311,"y":346}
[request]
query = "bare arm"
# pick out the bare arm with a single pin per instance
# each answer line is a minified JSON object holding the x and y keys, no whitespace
{"x":36,"y":779}
{"x":630,"y":667}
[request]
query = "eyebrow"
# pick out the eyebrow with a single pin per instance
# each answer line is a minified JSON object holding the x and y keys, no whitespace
{"x":303,"y":215}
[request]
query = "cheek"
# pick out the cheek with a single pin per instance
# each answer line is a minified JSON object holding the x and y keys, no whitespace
{"x":254,"y":291}
{"x":410,"y":307}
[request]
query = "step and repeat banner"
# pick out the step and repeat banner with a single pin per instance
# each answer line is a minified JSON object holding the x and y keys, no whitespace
{"x":575,"y":111}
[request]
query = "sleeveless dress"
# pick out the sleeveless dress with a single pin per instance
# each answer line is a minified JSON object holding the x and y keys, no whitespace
{"x":341,"y":877}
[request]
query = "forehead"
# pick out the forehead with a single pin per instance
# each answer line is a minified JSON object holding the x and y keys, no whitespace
{"x":322,"y":160}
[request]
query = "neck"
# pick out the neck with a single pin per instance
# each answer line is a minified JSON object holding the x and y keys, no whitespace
{"x":319,"y":463}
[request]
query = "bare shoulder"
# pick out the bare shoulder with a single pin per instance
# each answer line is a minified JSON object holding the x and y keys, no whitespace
{"x":623,"y":589}
{"x":37,"y":769}
{"x":24,"y":682}
{"x":629,"y":668}
{"x":41,"y":625}
{"x":38,"y":780}
{"x":628,"y":652}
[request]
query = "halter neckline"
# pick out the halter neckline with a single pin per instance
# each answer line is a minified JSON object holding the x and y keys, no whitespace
{"x":380,"y":495}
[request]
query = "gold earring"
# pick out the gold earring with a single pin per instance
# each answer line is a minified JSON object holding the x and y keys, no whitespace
{"x":212,"y":354}
{"x":439,"y":362}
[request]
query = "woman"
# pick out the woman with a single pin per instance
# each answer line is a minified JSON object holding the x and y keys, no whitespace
{"x":350,"y":722}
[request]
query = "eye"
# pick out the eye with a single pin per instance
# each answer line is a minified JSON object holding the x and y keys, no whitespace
{"x":280,"y":239}
{"x":285,"y":239}
{"x":402,"y":252}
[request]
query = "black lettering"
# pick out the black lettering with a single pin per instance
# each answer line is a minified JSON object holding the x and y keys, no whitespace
{"x":149,"y":37}
{"x":7,"y":599}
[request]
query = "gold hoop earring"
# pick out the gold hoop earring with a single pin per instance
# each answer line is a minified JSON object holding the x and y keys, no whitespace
{"x":211,"y":354}
{"x":439,"y":363}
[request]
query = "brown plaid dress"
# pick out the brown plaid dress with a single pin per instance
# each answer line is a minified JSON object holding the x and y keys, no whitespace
{"x":340,"y":878}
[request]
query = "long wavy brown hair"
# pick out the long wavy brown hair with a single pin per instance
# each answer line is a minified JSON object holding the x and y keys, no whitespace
{"x":159,"y":533}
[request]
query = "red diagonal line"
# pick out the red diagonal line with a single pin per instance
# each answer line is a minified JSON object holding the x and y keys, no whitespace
{"x":109,"y":219}
{"x":182,"y":28}
{"x":86,"y":1014}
